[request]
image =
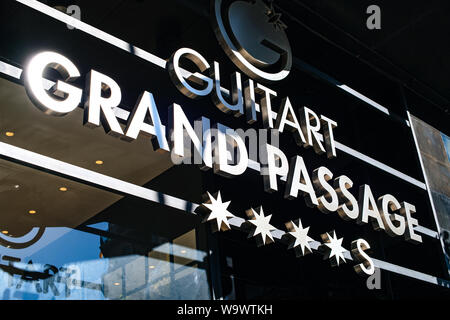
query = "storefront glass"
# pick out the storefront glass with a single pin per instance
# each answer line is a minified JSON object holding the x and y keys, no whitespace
{"x":61,"y":239}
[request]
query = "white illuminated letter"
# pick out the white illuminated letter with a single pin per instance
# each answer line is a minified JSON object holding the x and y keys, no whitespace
{"x":368,"y":208}
{"x":328,"y":136}
{"x":311,"y":131}
{"x":136,"y":122}
{"x":237,"y":105}
{"x":366,"y":266}
{"x":385,"y":203}
{"x":287,"y":117}
{"x":35,"y":87}
{"x":98,"y":108}
{"x":266,"y":105}
{"x":221,"y":165}
{"x":410,"y":235}
{"x":180,"y":125}
{"x":272,"y":170}
{"x":179,"y":76}
{"x":250,"y":101}
{"x":298,"y":180}
{"x":348,"y":208}
{"x":328,"y":200}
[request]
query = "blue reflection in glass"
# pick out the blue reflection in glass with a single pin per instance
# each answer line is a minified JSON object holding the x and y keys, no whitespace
{"x":67,"y":264}
{"x":446,"y":141}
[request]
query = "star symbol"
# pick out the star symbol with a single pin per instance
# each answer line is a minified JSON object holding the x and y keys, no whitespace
{"x":260,"y":226}
{"x":219,"y":212}
{"x":299,"y":239}
{"x":274,"y":17}
{"x":333,"y":248}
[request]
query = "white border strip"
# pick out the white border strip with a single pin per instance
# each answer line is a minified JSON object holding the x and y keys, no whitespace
{"x":93,"y":177}
{"x":333,"y":82}
{"x":97,"y":33}
{"x":427,"y":232}
{"x":364,"y":98}
{"x":380,"y":165}
{"x":410,"y":273}
{"x":368,"y":101}
{"x":10,"y":70}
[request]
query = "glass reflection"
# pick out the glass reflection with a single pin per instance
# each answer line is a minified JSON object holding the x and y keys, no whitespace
{"x":87,"y":243}
{"x":172,"y":270}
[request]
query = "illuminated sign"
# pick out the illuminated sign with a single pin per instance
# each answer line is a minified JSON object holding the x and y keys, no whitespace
{"x":214,"y":142}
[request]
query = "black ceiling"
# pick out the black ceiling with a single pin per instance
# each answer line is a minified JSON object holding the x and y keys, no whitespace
{"x":412,"y":47}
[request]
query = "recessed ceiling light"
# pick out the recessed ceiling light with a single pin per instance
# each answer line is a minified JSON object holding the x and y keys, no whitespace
{"x":152,"y":267}
{"x":99,"y":162}
{"x":183,"y":251}
{"x":116,"y":283}
{"x":63,"y":189}
{"x":9,"y":134}
{"x":31,"y":211}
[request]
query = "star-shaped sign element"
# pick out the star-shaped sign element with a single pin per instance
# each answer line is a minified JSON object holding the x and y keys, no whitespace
{"x":298,"y":238}
{"x":219,"y":213}
{"x":333,"y":248}
{"x":274,"y":17}
{"x":260,"y":226}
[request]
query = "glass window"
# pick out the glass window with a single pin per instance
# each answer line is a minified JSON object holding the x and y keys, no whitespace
{"x":62,"y":239}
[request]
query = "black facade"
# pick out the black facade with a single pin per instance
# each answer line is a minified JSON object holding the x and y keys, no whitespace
{"x":103,"y":236}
